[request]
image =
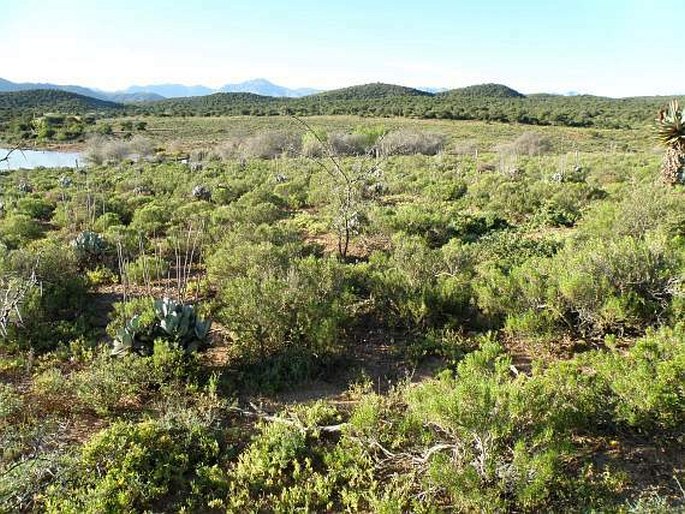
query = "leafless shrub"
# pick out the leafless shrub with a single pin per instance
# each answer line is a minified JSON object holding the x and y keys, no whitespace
{"x":508,"y":163}
{"x":467,"y":147}
{"x":271,"y":144}
{"x":175,"y":147}
{"x":410,"y":142}
{"x":349,"y":144}
{"x":569,"y":169}
{"x":100,"y":150}
{"x":528,"y":143}
{"x":227,"y":149}
{"x":348,"y":186}
{"x":199,"y":155}
{"x":13,"y":290}
{"x":484,"y":167}
{"x":141,"y":147}
{"x":312,"y":147}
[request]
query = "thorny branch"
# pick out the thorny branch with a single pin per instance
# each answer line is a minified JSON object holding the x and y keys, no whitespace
{"x":12,"y":294}
{"x":6,"y":158}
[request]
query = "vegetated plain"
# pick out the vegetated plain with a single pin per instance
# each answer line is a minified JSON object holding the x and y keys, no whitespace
{"x":341,"y":313}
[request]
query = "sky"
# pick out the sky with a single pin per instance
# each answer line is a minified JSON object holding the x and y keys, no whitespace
{"x":605,"y":47}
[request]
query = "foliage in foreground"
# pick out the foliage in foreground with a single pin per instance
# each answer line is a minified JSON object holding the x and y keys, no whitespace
{"x":479,"y":438}
{"x":554,"y":250}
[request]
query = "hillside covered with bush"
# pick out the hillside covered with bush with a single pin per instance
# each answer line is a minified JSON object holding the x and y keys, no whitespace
{"x":344,"y":314}
{"x":486,"y":102}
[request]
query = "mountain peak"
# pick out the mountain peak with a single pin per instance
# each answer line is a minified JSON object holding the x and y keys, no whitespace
{"x":262,"y":86}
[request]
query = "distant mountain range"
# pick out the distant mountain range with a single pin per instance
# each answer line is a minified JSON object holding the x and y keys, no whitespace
{"x":265,"y":88}
{"x":120,"y":97}
{"x":154,"y":92}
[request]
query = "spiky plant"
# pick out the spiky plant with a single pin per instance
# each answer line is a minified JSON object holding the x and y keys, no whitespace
{"x":670,"y":126}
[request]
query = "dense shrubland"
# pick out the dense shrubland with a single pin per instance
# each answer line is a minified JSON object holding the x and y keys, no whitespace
{"x":19,"y":111}
{"x":155,"y":311}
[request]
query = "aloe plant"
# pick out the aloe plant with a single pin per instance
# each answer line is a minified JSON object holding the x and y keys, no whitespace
{"x":670,"y":127}
{"x":181,"y":324}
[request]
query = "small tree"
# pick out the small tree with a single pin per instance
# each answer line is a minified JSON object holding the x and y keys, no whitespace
{"x":670,"y":126}
{"x":350,"y":186}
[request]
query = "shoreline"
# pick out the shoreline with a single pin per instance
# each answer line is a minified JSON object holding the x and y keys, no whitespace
{"x":48,"y":147}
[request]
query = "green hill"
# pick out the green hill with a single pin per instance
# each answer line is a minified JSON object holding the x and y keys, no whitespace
{"x":485,"y":90}
{"x":374,"y":91}
{"x":40,"y":101}
{"x":218,"y":103}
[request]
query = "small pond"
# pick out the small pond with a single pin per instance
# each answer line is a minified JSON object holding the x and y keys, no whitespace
{"x":30,"y":159}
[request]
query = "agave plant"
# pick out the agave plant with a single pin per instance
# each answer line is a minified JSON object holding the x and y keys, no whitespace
{"x":181,"y":324}
{"x":175,"y":322}
{"x":65,"y":181}
{"x":25,"y":187}
{"x":89,"y":247}
{"x":202,"y":192}
{"x":670,"y":127}
{"x":126,"y":340}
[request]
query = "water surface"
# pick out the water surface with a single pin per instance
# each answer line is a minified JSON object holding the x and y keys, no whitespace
{"x":30,"y":159}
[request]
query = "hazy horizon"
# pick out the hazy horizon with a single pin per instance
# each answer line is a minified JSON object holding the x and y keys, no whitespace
{"x":533,"y":46}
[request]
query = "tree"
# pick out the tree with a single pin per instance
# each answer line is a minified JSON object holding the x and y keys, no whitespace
{"x":670,"y":126}
{"x":351,"y":187}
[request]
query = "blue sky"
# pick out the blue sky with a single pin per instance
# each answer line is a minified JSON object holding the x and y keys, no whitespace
{"x":608,"y":47}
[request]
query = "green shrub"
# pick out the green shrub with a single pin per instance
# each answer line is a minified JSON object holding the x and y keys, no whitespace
{"x":101,"y":276}
{"x":277,"y":302}
{"x":17,"y":230}
{"x":281,"y":468}
{"x":273,"y":307}
{"x":646,"y":384}
{"x":597,"y":287}
{"x":108,"y":386}
{"x":151,"y":220}
{"x":134,"y":467}
{"x":105,"y":221}
{"x":36,"y":208}
{"x":414,"y":286}
{"x":54,"y":311}
{"x":146,"y":269}
{"x":10,"y":402}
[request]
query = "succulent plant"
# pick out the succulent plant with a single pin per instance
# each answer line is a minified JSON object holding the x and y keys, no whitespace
{"x":175,"y":322}
{"x":181,"y":324}
{"x":125,"y":340}
{"x":25,"y":187}
{"x":202,"y":192}
{"x":143,"y":191}
{"x":670,"y":127}
{"x":89,"y":246}
{"x":65,"y":181}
